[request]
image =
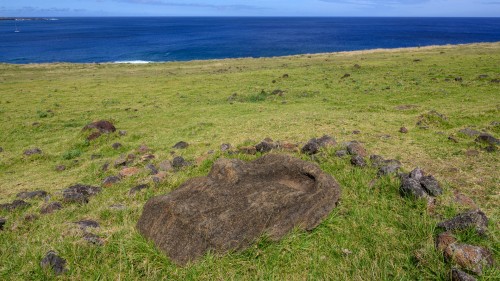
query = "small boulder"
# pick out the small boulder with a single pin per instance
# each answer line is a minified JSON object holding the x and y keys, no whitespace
{"x":417,"y":174}
{"x":358,"y":161}
{"x":16,"y":204}
{"x":470,"y":132}
{"x":3,"y":221}
{"x":137,"y":188}
{"x":147,"y":157}
{"x":403,"y":130}
{"x":105,"y":167}
{"x":151,"y":169}
{"x":431,"y":185}
{"x":181,"y":145}
{"x":32,"y":151}
{"x":474,"y":218}
{"x":411,"y":187}
{"x":179,"y":162}
{"x":54,"y":262}
{"x":487,"y":139}
{"x":355,"y":148}
{"x":326,"y":141}
{"x":122,"y":133}
{"x":121,"y":161}
{"x":264,"y":147}
{"x":341,"y":153}
{"x":50,"y":208}
{"x":80,"y":193}
{"x":311,"y":147}
{"x":469,"y":257}
{"x":116,"y":145}
{"x":93,"y":239}
{"x":84,"y":224}
{"x":32,"y":194}
{"x":459,"y":275}
{"x":166,"y":166}
{"x":129,"y":171}
{"x":1,"y":149}
{"x":345,"y":76}
{"x":143,"y":149}
{"x":464,"y":201}
{"x":111,"y":180}
{"x":103,"y":126}
{"x":225,"y":147}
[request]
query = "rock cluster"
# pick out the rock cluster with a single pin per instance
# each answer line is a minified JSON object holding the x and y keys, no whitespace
{"x":417,"y":184}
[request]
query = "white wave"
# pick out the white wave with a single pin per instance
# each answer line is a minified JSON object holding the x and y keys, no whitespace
{"x":134,"y":61}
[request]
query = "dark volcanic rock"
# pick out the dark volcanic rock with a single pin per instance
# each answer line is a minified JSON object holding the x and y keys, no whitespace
{"x":346,"y":76}
{"x":181,"y":145}
{"x":341,"y":153}
{"x":93,"y":239}
{"x":137,"y":188}
{"x":32,"y":151}
{"x":236,"y":204}
{"x":84,"y":224}
{"x":469,"y":257}
{"x":358,"y":161}
{"x":488,"y":139}
{"x":109,"y":181}
{"x":403,"y":130}
{"x":458,"y":275}
{"x":225,"y":147}
{"x":151,"y":169}
{"x":179,"y":162}
{"x":51,"y":207}
{"x":31,"y":194}
{"x":411,"y":187}
{"x":102,"y":126}
{"x":431,"y":185}
{"x":116,"y":145}
{"x":264,"y":147}
{"x":80,"y":193}
{"x":475,"y":218}
{"x":417,"y":174}
{"x":313,"y":145}
{"x":470,"y":132}
{"x":355,"y":148}
{"x":2,"y":222}
{"x":16,"y":204}
{"x":54,"y":262}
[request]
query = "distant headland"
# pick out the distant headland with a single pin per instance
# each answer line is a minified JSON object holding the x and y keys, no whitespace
{"x":14,"y":18}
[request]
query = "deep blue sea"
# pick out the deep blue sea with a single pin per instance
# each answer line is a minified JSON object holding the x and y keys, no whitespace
{"x":180,"y":39}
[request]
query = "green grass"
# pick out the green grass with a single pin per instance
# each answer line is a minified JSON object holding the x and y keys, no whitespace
{"x":373,"y":234}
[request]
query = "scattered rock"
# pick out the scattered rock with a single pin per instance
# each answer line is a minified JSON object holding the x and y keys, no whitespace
{"x":32,"y":151}
{"x":488,"y":139}
{"x":341,"y":153}
{"x":355,"y":148}
{"x":54,"y":262}
{"x":358,"y":161}
{"x":179,"y":162}
{"x":166,"y":166}
{"x":32,"y":194}
{"x":111,"y":180}
{"x":93,"y":136}
{"x":264,"y":147}
{"x":50,"y":208}
{"x":103,"y":126}
{"x":469,"y":257}
{"x":497,"y":80}
{"x":475,"y":218}
{"x":237,"y":203}
{"x":151,"y":169}
{"x":116,"y":145}
{"x":482,"y":76}
{"x":470,"y":132}
{"x":16,"y":204}
{"x":406,"y":107}
{"x":390,"y":168}
{"x":121,"y":161}
{"x":431,"y":185}
{"x":84,"y":224}
{"x":314,"y":144}
{"x":458,"y":275}
{"x":147,"y":157}
{"x":444,"y":240}
{"x":3,"y":221}
{"x":80,"y":193}
{"x":1,"y":149}
{"x":137,"y":188}
{"x":122,"y":133}
{"x":181,"y":145}
{"x":60,"y":168}
{"x":118,"y":207}
{"x":417,"y":60}
{"x":93,"y":239}
{"x":411,"y":187}
{"x":158,"y":178}
{"x":225,"y":147}
{"x":95,"y":156}
{"x":345,"y":76}
{"x":105,"y":167}
{"x":248,"y":150}
{"x":129,"y":171}
{"x":417,"y":174}
{"x":403,"y":130}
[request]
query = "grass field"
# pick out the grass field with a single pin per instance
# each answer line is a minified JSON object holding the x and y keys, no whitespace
{"x":373,"y":234}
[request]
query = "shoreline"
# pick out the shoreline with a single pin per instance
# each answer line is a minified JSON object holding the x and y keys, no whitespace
{"x":348,"y":53}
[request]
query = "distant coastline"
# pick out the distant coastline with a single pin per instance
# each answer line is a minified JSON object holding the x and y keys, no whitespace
{"x":26,"y":19}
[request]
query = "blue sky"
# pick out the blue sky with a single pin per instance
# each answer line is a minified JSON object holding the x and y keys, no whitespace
{"x":430,"y":8}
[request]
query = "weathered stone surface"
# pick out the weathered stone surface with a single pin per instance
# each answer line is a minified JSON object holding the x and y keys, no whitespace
{"x":248,"y":150}
{"x":475,"y":218}
{"x":143,"y":149}
{"x":166,"y":166}
{"x":417,"y":174}
{"x":403,"y":130}
{"x":129,"y":171}
{"x":31,"y":194}
{"x":93,"y":239}
{"x":358,"y":161}
{"x":264,"y":146}
{"x":102,"y":126}
{"x":181,"y":145}
{"x":137,"y":188}
{"x":3,"y":221}
{"x":341,"y":153}
{"x":16,"y":204}
{"x":32,"y":151}
{"x":488,"y":139}
{"x":355,"y":148}
{"x":51,"y":207}
{"x":444,"y":240}
{"x":179,"y":162}
{"x":147,"y":157}
{"x":80,"y":193}
{"x":431,"y":185}
{"x":469,"y":257}
{"x":151,"y":169}
{"x":237,"y":203}
{"x":458,"y":275}
{"x":109,"y":181}
{"x":411,"y":187}
{"x":84,"y":224}
{"x":225,"y":147}
{"x":54,"y":262}
{"x":313,"y":145}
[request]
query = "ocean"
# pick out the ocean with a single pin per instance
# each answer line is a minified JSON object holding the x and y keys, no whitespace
{"x":158,"y":39}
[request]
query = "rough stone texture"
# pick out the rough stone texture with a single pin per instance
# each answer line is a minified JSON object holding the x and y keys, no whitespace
{"x":341,"y":153}
{"x":31,"y":194}
{"x":475,"y":218}
{"x":470,"y":132}
{"x":264,"y":146}
{"x":431,"y":185}
{"x":179,"y":162}
{"x":151,"y":169}
{"x":411,"y":187}
{"x":129,"y":171}
{"x":51,"y":207}
{"x":458,"y":275}
{"x":137,"y":188}
{"x":109,"y":181}
{"x":417,"y":174}
{"x":166,"y":166}
{"x":469,"y":257}
{"x":326,"y":141}
{"x":84,"y":224}
{"x":488,"y":139}
{"x":93,"y":239}
{"x":103,"y":126}
{"x":80,"y":193}
{"x":32,"y":151}
{"x":147,"y":157}
{"x":3,"y":221}
{"x":385,"y":167}
{"x":225,"y":147}
{"x":16,"y":204}
{"x":403,"y":130}
{"x":444,"y":240}
{"x":358,"y":161}
{"x":181,"y":145}
{"x":54,"y":262}
{"x":1,"y":149}
{"x":355,"y":148}
{"x":311,"y":147}
{"x":248,"y":150}
{"x":237,"y":203}
{"x":143,"y":149}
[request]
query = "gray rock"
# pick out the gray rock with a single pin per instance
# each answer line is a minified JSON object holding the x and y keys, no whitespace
{"x":1,"y":149}
{"x":469,"y":257}
{"x":311,"y":147}
{"x":93,"y":239}
{"x":403,"y":130}
{"x":31,"y":194}
{"x":137,"y":188}
{"x":80,"y":193}
{"x":417,"y":174}
{"x":60,"y":168}
{"x":166,"y":166}
{"x":264,"y":147}
{"x":236,"y":204}
{"x":411,"y":187}
{"x":358,"y":161}
{"x":3,"y":221}
{"x":16,"y":204}
{"x":111,"y":180}
{"x":179,"y":162}
{"x":181,"y":145}
{"x":341,"y":153}
{"x":488,"y":139}
{"x":122,"y":133}
{"x":470,"y":132}
{"x":116,"y":145}
{"x":476,"y":219}
{"x":458,"y":275}
{"x":54,"y":262}
{"x":355,"y":148}
{"x":152,"y":169}
{"x":51,"y":207}
{"x":84,"y":224}
{"x":431,"y":185}
{"x":32,"y":151}
{"x":225,"y":147}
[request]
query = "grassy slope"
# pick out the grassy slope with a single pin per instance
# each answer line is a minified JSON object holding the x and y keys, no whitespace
{"x":189,"y":101}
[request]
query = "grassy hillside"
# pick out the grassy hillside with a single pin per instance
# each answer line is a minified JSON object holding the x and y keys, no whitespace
{"x":374,"y":234}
